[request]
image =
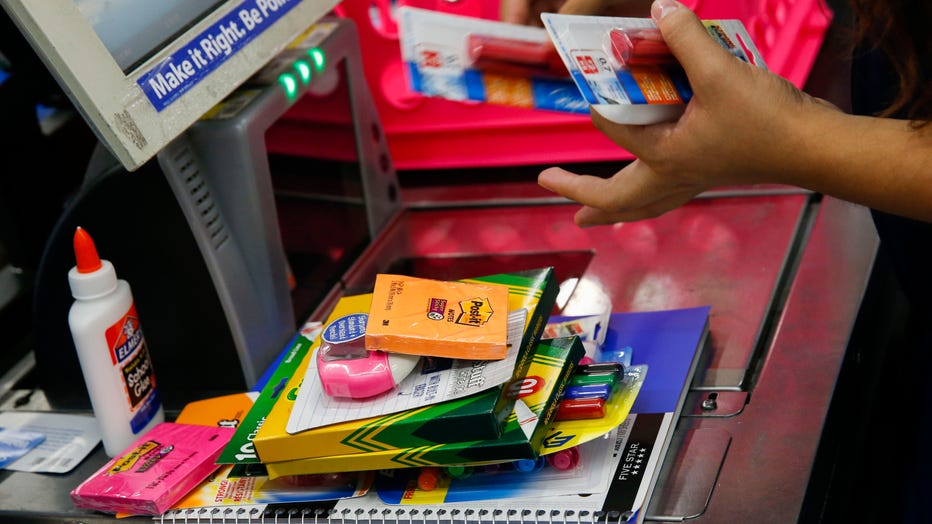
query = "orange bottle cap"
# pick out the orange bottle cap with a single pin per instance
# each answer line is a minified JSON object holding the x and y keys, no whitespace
{"x":85,"y":252}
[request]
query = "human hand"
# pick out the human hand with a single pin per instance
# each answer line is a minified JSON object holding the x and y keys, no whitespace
{"x":527,"y":12}
{"x":741,"y":126}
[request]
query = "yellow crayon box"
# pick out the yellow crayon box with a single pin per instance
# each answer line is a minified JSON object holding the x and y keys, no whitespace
{"x":538,"y":392}
{"x":476,"y":417}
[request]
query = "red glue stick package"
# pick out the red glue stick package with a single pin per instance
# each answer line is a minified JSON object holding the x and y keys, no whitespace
{"x":154,"y":472}
{"x":624,"y":68}
{"x":637,"y":46}
{"x":512,"y":56}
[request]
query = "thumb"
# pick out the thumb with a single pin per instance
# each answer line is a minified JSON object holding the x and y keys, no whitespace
{"x":688,"y":39}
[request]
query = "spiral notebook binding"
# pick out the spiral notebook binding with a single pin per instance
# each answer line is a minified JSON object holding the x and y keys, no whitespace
{"x":258,"y":515}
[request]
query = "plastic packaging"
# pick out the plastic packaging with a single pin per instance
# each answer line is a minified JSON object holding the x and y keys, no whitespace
{"x":522,"y":58}
{"x":347,"y":369}
{"x":624,"y":69}
{"x":112,"y":350}
{"x":433,"y":133}
{"x":637,"y":46}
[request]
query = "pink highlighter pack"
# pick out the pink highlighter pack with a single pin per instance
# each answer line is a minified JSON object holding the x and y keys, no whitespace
{"x":155,"y":471}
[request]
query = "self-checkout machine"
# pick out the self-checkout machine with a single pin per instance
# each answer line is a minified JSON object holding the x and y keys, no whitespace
{"x":287,"y":189}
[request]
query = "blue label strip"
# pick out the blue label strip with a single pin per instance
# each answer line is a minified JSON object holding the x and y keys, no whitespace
{"x":185,"y":68}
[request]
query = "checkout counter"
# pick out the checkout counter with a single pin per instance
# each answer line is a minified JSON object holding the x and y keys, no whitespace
{"x":789,"y":276}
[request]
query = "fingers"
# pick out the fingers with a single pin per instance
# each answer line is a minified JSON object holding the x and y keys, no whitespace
{"x":638,"y":140}
{"x":689,"y":40}
{"x":589,"y":216}
{"x":581,"y":188}
{"x":633,"y":193}
{"x":583,"y":7}
{"x":514,"y":11}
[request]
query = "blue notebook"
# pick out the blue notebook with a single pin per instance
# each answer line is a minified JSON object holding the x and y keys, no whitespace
{"x":670,"y":344}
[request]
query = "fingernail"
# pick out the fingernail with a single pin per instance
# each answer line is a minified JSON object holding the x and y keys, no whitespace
{"x":547,"y":178}
{"x":661,"y":8}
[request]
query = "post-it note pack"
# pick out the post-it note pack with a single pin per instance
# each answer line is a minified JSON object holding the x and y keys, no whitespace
{"x":420,"y":316}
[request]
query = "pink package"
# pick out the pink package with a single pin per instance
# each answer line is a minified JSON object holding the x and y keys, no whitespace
{"x":156,"y":471}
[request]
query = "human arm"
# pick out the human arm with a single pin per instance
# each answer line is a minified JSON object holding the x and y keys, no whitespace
{"x":745,"y":125}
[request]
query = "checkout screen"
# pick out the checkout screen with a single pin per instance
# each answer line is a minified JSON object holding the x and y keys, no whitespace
{"x":134,"y":30}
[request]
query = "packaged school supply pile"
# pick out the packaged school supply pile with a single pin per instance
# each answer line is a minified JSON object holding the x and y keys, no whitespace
{"x":440,"y":401}
{"x":446,"y":430}
{"x":609,"y":462}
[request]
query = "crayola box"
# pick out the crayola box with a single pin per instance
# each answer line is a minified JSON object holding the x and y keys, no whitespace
{"x":240,"y":449}
{"x":553,"y":363}
{"x":474,"y":417}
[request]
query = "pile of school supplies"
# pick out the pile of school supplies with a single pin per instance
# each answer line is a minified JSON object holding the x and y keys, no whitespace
{"x":447,"y":402}
{"x":606,"y":463}
{"x":523,"y":397}
{"x":307,"y":432}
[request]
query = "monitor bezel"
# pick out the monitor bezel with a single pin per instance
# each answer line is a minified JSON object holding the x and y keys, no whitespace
{"x":112,"y":102}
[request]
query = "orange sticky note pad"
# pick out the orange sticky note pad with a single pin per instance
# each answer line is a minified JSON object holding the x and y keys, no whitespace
{"x":438,"y":318}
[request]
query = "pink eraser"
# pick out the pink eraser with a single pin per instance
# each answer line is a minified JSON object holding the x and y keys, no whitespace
{"x":355,"y":377}
{"x":160,"y":468}
{"x":374,"y":373}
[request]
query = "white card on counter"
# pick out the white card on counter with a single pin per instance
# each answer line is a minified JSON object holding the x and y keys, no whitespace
{"x":69,"y":438}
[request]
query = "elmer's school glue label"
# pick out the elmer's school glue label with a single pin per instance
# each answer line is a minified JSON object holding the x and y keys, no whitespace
{"x":112,"y":349}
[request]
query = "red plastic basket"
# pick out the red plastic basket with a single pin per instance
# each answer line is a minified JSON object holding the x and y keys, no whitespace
{"x":432,"y":133}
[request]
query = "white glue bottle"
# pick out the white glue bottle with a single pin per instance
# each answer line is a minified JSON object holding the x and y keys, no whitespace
{"x":112,"y":350}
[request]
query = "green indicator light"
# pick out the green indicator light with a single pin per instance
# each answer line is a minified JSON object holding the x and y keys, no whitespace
{"x":304,"y":70}
{"x":317,"y":56}
{"x":290,"y":84}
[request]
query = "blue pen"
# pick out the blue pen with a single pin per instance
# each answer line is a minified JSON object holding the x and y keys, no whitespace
{"x":588,"y":391}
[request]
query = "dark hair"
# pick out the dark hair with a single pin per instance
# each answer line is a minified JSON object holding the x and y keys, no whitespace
{"x":900,"y":29}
